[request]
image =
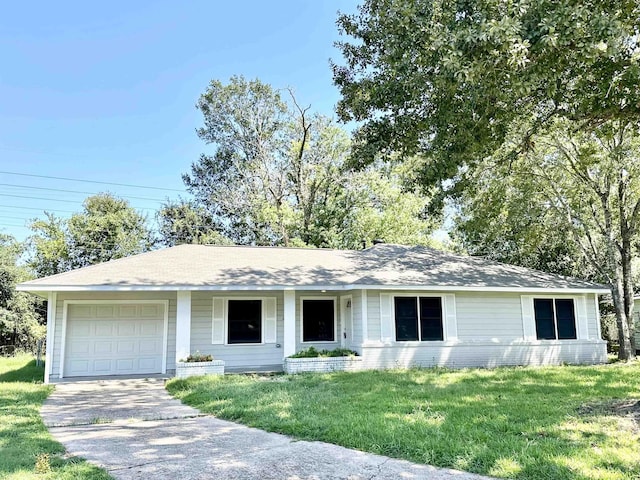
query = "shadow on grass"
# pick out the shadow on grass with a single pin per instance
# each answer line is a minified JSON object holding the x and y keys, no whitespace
{"x":28,"y":372}
{"x":515,"y":423}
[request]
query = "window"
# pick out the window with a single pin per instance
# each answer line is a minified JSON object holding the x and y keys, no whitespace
{"x":244,"y":320}
{"x":418,"y":318}
{"x":318,"y":320}
{"x":555,"y":319}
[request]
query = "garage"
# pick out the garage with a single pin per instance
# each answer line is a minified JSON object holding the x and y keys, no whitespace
{"x":114,"y":339}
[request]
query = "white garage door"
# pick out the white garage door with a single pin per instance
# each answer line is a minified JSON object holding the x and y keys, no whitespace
{"x":114,"y":339}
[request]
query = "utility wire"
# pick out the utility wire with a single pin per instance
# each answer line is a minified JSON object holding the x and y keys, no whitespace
{"x":92,"y":181}
{"x":76,"y":191}
{"x":39,"y":209}
{"x":59,"y":200}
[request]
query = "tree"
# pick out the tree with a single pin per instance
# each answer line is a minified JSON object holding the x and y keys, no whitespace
{"x":21,"y":318}
{"x":107,"y":228}
{"x":184,"y":222}
{"x":580,"y":187}
{"x":466,"y":82}
{"x":375,"y":204}
{"x":48,"y":244}
{"x":449,"y":78}
{"x":504,"y":216}
{"x":278,"y":175}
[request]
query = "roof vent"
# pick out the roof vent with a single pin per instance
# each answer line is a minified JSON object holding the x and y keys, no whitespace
{"x":377,"y":241}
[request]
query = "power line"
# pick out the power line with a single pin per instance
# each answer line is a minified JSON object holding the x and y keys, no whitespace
{"x":92,"y":181}
{"x":39,"y":209}
{"x":76,"y":191}
{"x":58,"y":200}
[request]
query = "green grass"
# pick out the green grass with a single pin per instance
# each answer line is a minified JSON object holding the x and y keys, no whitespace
{"x":531,"y":423}
{"x":24,"y":440}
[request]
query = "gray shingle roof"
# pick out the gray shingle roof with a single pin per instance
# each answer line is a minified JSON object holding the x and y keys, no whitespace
{"x":382,"y":265}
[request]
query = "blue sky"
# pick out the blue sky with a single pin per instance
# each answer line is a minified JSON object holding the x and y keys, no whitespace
{"x":106,"y":91}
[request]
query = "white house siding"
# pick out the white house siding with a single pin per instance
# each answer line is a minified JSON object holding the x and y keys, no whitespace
{"x":356,"y":311}
{"x":248,"y":357}
{"x":487,"y":316}
{"x":101,"y":296}
{"x":490,"y":333}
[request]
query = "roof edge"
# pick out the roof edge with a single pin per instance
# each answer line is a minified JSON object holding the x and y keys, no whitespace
{"x":334,"y":287}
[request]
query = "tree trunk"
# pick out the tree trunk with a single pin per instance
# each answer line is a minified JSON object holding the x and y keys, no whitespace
{"x":625,"y":353}
{"x":627,"y":284}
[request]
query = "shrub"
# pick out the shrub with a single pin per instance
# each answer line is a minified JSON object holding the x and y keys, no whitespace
{"x":312,"y":352}
{"x":198,"y":357}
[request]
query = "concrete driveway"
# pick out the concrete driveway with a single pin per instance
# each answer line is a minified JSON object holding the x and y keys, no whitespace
{"x":136,"y":430}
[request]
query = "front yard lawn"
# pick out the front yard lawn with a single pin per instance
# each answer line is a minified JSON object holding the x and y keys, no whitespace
{"x":24,"y":440}
{"x":569,"y":422}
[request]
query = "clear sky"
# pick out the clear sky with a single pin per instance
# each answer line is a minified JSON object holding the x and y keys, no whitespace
{"x":106,"y":91}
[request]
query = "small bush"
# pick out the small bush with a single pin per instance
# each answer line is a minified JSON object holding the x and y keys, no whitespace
{"x":198,"y":357}
{"x":312,"y":352}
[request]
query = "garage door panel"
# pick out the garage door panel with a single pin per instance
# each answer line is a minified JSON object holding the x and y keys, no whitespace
{"x":147,"y":347}
{"x":103,"y":329}
{"x":126,"y":348}
{"x":130,"y":341}
{"x":78,"y":347}
{"x":125,"y":365}
{"x":102,"y":366}
{"x":105,"y":311}
{"x":150,"y":328}
{"x":79,"y":329}
{"x":147,"y":311}
{"x":126,"y":328}
{"x":79,"y":366}
{"x":148,"y":363}
{"x":86,"y":311}
{"x":102,"y":348}
{"x":128,"y":311}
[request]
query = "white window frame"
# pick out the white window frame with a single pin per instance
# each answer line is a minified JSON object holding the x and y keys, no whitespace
{"x":417,"y":296}
{"x":226,"y":321}
{"x":334,"y":299}
{"x":555,"y":318}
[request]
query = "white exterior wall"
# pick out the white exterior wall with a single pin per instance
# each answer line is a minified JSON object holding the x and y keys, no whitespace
{"x":268,"y":355}
{"x":100,"y":296}
{"x":490,"y":332}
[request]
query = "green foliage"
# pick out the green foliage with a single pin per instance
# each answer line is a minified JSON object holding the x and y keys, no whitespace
{"x":312,"y":352}
{"x":49,"y":246}
{"x":184,"y":222}
{"x":28,"y":450}
{"x":198,"y":357}
{"x":278,"y":176}
{"x":450,"y":78}
{"x":561,"y":423}
{"x":21,"y":314}
{"x":541,"y":96}
{"x":108,"y":228}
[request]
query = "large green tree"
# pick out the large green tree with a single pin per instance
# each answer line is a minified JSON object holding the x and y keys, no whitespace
{"x":466,"y":83}
{"x":21,"y":319}
{"x":450,"y":78}
{"x":579,"y":186}
{"x":106,"y":229}
{"x":278,"y":176}
{"x":181,"y":222}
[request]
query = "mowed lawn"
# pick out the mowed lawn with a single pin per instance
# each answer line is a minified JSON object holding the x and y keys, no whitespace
{"x":24,"y":440}
{"x":568,"y":422}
